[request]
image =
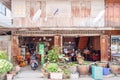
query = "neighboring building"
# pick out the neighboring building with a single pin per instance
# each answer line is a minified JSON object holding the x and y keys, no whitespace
{"x":5,"y":16}
{"x":81,"y":23}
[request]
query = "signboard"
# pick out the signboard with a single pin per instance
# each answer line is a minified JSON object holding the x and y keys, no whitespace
{"x":41,"y":51}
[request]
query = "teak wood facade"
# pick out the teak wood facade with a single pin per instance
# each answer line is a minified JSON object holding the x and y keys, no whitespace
{"x":61,"y":18}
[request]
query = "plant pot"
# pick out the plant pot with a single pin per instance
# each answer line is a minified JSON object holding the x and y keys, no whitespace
{"x":115,"y":69}
{"x":83,"y":69}
{"x":55,"y":75}
{"x":74,"y":76}
{"x":73,"y":69}
{"x":9,"y":76}
{"x":17,"y":68}
{"x":66,"y":76}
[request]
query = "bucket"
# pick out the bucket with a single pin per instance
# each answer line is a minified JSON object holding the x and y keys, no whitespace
{"x":106,"y":71}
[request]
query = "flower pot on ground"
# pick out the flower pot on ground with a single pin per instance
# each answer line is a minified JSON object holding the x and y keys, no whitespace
{"x":56,"y":75}
{"x":9,"y":76}
{"x":115,"y":68}
{"x":74,"y":76}
{"x":66,"y":74}
{"x":54,"y":70}
{"x":83,"y":69}
{"x":17,"y":68}
{"x":72,"y":66}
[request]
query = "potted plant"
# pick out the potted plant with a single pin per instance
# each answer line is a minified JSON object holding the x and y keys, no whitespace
{"x":83,"y":68}
{"x":114,"y":67}
{"x":55,"y":71}
{"x":5,"y":65}
{"x":72,"y":66}
{"x":66,"y":73}
{"x":52,"y":55}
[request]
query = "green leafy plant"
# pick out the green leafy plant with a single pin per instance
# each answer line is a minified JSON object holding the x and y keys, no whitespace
{"x":66,"y":71}
{"x":52,"y":55}
{"x":53,"y":67}
{"x":5,"y":66}
{"x":3,"y":55}
{"x":72,"y":64}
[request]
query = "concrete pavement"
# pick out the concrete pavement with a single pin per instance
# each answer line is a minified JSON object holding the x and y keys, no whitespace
{"x":27,"y":74}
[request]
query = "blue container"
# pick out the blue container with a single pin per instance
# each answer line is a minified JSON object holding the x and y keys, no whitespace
{"x":97,"y":72}
{"x":106,"y":71}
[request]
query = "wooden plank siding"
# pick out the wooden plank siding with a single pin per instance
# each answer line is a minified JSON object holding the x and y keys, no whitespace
{"x":112,"y":18}
{"x":82,"y":13}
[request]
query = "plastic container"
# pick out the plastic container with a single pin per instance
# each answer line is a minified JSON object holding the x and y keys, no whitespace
{"x":106,"y":71}
{"x":97,"y":72}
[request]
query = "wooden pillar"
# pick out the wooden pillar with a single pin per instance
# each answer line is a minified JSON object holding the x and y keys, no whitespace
{"x":104,"y":47}
{"x":57,"y":41}
{"x":15,"y":47}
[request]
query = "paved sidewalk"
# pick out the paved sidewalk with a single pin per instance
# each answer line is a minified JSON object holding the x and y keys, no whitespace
{"x":28,"y":74}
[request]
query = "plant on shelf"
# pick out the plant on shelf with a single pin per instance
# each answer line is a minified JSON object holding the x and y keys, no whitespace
{"x":52,"y":55}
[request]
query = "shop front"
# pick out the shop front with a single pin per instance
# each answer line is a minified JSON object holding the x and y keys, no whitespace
{"x":92,"y":45}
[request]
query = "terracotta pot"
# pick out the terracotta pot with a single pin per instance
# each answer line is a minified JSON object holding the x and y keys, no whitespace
{"x":46,"y":74}
{"x":83,"y":69}
{"x":115,"y":69}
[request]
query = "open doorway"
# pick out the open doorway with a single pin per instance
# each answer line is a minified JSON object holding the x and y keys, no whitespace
{"x":86,"y":46}
{"x":30,"y":45}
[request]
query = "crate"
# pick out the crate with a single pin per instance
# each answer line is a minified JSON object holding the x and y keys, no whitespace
{"x":97,"y":72}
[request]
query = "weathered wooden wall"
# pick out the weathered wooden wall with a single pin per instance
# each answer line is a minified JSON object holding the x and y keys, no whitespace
{"x":65,"y":13}
{"x":112,"y":17}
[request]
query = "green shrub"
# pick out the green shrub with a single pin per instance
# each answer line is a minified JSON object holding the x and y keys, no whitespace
{"x":5,"y":66}
{"x":53,"y":67}
{"x":52,"y":55}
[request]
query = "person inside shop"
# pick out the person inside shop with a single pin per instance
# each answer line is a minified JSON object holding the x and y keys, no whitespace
{"x":73,"y":56}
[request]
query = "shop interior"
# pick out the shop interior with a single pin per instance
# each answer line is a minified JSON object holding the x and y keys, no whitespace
{"x":87,"y":46}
